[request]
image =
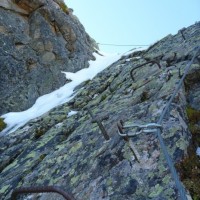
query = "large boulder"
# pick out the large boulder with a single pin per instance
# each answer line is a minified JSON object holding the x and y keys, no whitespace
{"x":38,"y":40}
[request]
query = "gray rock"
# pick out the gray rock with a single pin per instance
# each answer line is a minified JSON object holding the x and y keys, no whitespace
{"x":71,"y":152}
{"x":38,"y":40}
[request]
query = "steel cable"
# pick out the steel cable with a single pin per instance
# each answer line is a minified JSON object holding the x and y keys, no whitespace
{"x":179,"y":186}
{"x":125,"y":45}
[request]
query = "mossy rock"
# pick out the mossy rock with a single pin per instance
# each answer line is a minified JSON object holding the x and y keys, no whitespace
{"x":42,"y":156}
{"x":2,"y":124}
{"x":64,"y":7}
{"x":103,"y":97}
{"x":39,"y":132}
{"x":193,"y":115}
{"x":195,"y":130}
{"x":144,"y":96}
{"x":189,"y":167}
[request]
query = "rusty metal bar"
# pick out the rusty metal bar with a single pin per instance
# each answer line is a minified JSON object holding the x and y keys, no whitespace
{"x":152,"y":61}
{"x":99,"y":123}
{"x":42,"y":189}
{"x":120,"y":125}
{"x":164,"y":149}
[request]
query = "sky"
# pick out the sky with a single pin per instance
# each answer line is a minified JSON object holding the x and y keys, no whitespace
{"x":43,"y":104}
{"x":133,"y":22}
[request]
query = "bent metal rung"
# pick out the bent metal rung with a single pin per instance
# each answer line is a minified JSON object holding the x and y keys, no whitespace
{"x":42,"y":189}
{"x":144,"y":128}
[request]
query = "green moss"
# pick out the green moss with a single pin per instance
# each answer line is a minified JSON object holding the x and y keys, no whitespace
{"x":38,"y":133}
{"x":189,"y":167}
{"x":42,"y":156}
{"x":193,"y":115}
{"x":194,"y":118}
{"x":2,"y":124}
{"x":195,"y":130}
{"x":144,"y":96}
{"x":103,"y":97}
{"x":64,"y":7}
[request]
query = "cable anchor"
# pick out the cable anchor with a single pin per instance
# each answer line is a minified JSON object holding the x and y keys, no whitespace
{"x":143,"y":128}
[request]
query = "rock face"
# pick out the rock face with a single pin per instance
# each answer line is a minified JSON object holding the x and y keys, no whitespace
{"x":38,"y":40}
{"x":71,"y":152}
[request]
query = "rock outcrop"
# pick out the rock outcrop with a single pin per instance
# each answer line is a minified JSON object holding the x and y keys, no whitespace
{"x":38,"y":40}
{"x":71,"y":152}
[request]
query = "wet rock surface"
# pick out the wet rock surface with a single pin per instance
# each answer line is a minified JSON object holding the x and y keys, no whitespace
{"x":71,"y":152}
{"x":38,"y":40}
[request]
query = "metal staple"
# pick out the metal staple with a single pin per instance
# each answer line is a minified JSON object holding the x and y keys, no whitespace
{"x":27,"y":190}
{"x":152,"y":61}
{"x":148,"y":128}
{"x":98,"y":121}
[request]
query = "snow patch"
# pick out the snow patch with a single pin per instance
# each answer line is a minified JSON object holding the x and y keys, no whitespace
{"x":72,"y":112}
{"x":198,"y":151}
{"x":43,"y":104}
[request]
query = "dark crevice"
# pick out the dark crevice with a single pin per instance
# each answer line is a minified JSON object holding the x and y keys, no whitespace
{"x":10,"y":161}
{"x":14,"y":11}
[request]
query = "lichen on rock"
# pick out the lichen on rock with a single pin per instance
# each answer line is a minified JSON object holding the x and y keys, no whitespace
{"x":71,"y":152}
{"x":47,"y":39}
{"x":189,"y":167}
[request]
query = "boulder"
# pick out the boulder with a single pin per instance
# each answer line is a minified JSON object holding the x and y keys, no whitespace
{"x":38,"y":40}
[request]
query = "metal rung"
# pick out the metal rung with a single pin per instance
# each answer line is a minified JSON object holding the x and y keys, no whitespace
{"x":144,"y":128}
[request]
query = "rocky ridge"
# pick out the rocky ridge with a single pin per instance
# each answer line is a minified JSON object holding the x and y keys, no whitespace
{"x":71,"y":152}
{"x":38,"y":40}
